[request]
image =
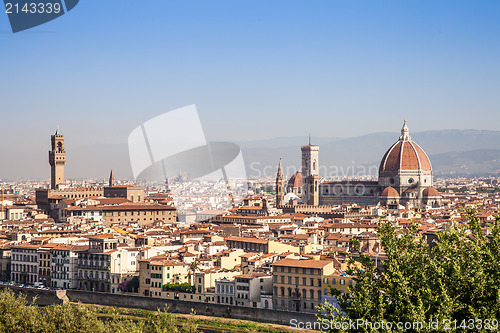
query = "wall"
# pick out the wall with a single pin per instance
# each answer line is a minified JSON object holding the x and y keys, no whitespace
{"x":46,"y":297}
{"x":43,"y":297}
{"x":178,"y":306}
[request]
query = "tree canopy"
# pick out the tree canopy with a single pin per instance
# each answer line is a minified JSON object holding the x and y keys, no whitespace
{"x":453,"y":286}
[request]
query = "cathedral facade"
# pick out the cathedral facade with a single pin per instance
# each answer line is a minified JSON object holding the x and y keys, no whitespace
{"x":405,"y":179}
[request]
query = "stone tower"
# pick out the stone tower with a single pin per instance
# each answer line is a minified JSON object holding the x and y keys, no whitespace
{"x":280,"y":186}
{"x":310,"y":174}
{"x":57,"y":160}
{"x":111,"y":179}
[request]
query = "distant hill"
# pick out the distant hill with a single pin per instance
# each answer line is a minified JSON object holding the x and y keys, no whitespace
{"x":349,"y":154}
{"x":467,"y":163}
{"x":452,"y":152}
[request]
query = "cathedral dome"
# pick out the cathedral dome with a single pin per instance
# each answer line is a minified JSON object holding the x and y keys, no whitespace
{"x":390,"y":192}
{"x":431,"y":192}
{"x":295,"y":180}
{"x":404,"y":155}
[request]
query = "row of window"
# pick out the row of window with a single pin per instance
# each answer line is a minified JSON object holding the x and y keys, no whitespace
{"x":24,"y":257}
{"x":297,"y":270}
{"x":296,"y":280}
{"x":24,"y":268}
{"x":92,"y":275}
{"x":225,"y":289}
{"x":296,"y":293}
{"x":334,"y":281}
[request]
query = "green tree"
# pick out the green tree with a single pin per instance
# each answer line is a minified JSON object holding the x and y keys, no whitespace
{"x":455,"y":285}
{"x":19,"y":315}
{"x":193,"y":267}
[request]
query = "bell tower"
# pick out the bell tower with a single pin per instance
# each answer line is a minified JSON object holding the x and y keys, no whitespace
{"x":280,"y":186}
{"x":57,"y":160}
{"x":310,"y":174}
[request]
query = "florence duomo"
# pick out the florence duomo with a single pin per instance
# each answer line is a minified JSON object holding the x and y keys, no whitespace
{"x":405,"y":179}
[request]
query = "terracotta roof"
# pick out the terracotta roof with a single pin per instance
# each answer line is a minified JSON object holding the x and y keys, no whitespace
{"x":295,"y":180}
{"x":302,"y":263}
{"x":247,"y":240}
{"x":390,"y":192}
{"x":431,"y":192}
{"x":405,"y":154}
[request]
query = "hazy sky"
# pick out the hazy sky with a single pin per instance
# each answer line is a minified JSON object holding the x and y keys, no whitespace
{"x":254,"y":69}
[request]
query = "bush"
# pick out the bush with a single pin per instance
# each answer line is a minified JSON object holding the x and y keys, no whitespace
{"x":179,"y":287}
{"x":18,"y":315}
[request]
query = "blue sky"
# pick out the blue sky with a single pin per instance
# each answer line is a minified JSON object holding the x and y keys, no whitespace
{"x":255,"y":69}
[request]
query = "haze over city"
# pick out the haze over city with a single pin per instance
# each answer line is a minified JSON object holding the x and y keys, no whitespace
{"x":255,"y":70}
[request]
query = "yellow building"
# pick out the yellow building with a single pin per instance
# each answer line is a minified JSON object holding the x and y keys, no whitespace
{"x":339,"y":281}
{"x":158,"y":271}
{"x":297,"y":283}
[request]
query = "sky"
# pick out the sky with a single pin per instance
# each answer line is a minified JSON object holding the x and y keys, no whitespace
{"x":255,"y":69}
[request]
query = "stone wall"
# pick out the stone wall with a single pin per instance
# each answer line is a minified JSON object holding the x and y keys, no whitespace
{"x":178,"y":306}
{"x":48,"y":297}
{"x":43,"y":297}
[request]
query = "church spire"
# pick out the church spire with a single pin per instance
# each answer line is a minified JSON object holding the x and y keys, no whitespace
{"x":280,"y":171}
{"x":280,"y":186}
{"x":405,"y":133}
{"x":111,"y":179}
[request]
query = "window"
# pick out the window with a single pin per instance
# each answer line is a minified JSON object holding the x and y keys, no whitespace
{"x":342,"y":282}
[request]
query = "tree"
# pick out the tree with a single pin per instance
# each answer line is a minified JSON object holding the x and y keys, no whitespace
{"x":18,"y":315}
{"x":454,"y":285}
{"x":193,"y":267}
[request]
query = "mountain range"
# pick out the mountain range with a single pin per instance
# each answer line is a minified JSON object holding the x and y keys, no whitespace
{"x":452,"y":153}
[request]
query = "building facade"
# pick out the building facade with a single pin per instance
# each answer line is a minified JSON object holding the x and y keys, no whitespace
{"x":297,"y":284}
{"x":405,"y":178}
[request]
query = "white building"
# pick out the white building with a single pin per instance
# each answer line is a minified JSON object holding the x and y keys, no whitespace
{"x":250,"y":288}
{"x":63,"y":266}
{"x":224,"y":291}
{"x":24,"y":263}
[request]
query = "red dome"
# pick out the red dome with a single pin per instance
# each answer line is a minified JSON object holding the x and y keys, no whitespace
{"x":390,"y":192}
{"x":295,"y":180}
{"x":431,"y":192}
{"x":405,"y":155}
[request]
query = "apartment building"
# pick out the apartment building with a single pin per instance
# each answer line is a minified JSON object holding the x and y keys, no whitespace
{"x":225,"y":291}
{"x":64,"y":265}
{"x":24,"y":263}
{"x":250,"y":287}
{"x":5,"y":262}
{"x":339,"y":281}
{"x":141,"y":213}
{"x":158,"y":271}
{"x":297,"y":283}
